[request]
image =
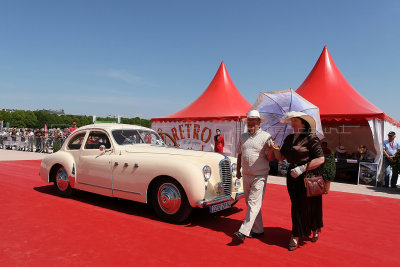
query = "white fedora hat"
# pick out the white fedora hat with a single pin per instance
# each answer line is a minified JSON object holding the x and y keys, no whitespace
{"x":254,"y":114}
{"x":295,"y":114}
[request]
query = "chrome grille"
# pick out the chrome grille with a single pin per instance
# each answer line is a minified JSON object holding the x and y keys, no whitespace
{"x":226,"y":175}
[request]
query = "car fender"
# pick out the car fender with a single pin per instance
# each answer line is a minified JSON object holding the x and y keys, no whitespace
{"x":187,"y":173}
{"x":59,"y":158}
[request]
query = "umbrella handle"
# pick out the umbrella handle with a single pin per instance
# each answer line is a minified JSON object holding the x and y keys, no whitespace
{"x":278,"y":132}
{"x":276,"y":135}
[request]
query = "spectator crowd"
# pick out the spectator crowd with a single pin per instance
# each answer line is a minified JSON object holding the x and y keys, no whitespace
{"x":32,"y":140}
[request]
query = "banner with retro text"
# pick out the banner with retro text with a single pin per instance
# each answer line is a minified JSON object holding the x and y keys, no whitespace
{"x":199,"y":135}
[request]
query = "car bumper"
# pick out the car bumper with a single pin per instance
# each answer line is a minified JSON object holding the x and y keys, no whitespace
{"x":207,"y":203}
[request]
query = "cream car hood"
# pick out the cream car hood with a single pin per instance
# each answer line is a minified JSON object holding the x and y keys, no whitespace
{"x":170,"y":151}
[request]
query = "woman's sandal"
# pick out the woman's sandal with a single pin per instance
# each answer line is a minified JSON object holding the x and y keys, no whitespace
{"x":294,"y":243}
{"x":315,"y":236}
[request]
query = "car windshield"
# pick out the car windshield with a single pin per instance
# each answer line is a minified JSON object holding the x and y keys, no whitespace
{"x":130,"y":137}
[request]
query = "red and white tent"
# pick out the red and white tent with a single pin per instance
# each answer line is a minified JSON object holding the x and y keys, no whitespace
{"x":347,"y":117}
{"x":221,"y":106}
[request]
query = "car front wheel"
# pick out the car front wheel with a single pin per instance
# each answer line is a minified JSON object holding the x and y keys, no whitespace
{"x":61,"y":182}
{"x":169,"y":201}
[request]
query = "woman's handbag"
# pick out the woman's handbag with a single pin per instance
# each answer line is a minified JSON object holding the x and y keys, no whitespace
{"x":315,"y":186}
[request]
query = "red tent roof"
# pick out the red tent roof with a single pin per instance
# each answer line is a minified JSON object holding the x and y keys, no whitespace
{"x":221,"y":101}
{"x":337,"y":100}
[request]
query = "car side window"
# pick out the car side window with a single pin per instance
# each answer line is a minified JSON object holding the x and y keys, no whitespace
{"x":150,"y":137}
{"x":126,"y":137}
{"x":97,"y":139}
{"x":76,"y":141}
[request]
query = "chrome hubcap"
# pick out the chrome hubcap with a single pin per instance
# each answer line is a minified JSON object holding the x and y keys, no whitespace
{"x":62,"y":179}
{"x":169,"y":198}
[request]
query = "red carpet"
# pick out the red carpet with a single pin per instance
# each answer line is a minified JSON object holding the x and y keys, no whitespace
{"x":39,"y":228}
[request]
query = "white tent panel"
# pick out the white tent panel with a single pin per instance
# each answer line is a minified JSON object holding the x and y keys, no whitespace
{"x":199,"y":135}
{"x":377,"y":129}
{"x":380,"y":130}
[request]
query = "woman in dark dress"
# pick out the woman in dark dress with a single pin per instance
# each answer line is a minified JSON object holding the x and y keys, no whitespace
{"x":304,"y":153}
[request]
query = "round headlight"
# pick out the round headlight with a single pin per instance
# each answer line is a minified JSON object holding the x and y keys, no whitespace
{"x":234,"y":169}
{"x":207,"y":173}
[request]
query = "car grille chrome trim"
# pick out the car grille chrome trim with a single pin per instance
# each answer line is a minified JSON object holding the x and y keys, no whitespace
{"x":207,"y":203}
{"x":226,"y":175}
{"x":204,"y":204}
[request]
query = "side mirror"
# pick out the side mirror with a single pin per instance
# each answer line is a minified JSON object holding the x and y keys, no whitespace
{"x":102,"y":148}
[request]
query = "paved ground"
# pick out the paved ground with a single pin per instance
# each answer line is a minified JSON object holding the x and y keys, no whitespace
{"x":9,"y":155}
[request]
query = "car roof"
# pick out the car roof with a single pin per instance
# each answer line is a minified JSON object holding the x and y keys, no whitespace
{"x":113,"y":126}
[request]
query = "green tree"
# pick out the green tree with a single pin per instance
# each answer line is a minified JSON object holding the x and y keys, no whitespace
{"x":18,"y":119}
{"x":5,"y":117}
{"x":38,"y":118}
{"x":145,"y":123}
{"x":30,"y":119}
{"x":42,"y":117}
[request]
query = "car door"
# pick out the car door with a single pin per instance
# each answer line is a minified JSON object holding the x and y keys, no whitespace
{"x":75,"y":144}
{"x":94,"y":172}
{"x":133,"y":167}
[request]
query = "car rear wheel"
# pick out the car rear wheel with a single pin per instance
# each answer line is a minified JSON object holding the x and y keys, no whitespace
{"x":169,"y":201}
{"x":61,"y":182}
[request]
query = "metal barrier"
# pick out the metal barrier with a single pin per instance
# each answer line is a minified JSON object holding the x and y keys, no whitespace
{"x":31,"y":144}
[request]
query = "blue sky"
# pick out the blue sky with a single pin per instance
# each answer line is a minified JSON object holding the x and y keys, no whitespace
{"x":153,"y":58}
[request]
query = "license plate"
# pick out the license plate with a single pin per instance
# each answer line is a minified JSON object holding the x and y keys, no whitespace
{"x":220,"y":206}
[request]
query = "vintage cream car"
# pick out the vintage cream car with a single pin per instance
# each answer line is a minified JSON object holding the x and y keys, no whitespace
{"x":132,"y":162}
